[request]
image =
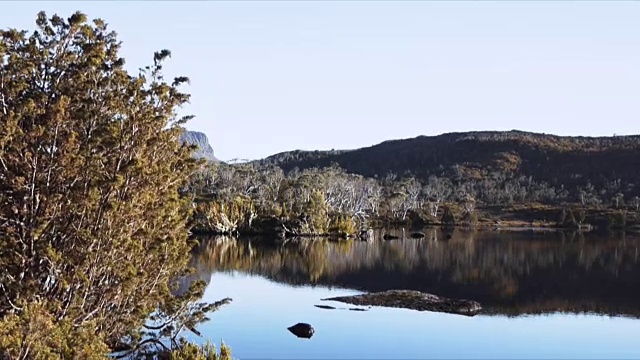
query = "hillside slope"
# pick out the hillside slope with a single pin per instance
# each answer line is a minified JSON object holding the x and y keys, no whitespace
{"x":557,"y":160}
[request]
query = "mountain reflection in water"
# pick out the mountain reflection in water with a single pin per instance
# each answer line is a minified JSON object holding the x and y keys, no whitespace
{"x":509,"y":273}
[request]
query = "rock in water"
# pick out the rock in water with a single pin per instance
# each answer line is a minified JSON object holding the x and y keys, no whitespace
{"x":366,"y":235}
{"x":414,"y":300}
{"x":417,"y":235}
{"x":302,"y":330}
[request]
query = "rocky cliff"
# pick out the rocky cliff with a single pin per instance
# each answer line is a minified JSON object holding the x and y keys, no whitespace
{"x":204,"y":150}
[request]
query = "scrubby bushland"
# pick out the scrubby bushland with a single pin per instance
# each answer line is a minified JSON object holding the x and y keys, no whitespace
{"x":239,"y":197}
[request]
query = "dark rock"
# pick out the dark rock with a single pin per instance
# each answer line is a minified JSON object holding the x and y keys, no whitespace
{"x":302,"y":330}
{"x":390,"y":237}
{"x":417,"y":235}
{"x":448,"y":236}
{"x":366,"y":235}
{"x":325,"y":307}
{"x":358,"y":309}
{"x":268,"y":225}
{"x":414,"y":300}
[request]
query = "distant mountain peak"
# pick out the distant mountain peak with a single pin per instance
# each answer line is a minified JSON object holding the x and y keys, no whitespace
{"x":204,"y":151}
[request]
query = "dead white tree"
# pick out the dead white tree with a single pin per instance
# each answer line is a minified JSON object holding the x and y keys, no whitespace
{"x":437,"y":190}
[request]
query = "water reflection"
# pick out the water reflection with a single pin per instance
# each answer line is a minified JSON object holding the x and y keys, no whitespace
{"x":509,"y":273}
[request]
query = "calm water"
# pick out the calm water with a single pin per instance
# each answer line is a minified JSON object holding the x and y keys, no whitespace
{"x":545,"y":295}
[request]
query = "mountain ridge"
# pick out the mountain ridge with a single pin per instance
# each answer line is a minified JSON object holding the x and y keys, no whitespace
{"x":555,"y":159}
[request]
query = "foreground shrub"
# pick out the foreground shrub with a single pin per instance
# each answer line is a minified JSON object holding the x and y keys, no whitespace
{"x":92,"y":227}
{"x":188,"y":351}
{"x":35,"y":333}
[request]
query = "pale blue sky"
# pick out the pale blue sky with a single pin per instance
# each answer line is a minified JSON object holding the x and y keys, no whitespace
{"x":275,"y":76}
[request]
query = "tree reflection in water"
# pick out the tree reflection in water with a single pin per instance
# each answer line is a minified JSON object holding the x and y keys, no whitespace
{"x":509,"y":273}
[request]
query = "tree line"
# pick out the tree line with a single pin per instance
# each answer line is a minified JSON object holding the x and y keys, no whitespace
{"x":236,"y":197}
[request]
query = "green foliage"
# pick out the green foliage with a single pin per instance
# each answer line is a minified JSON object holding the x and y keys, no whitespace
{"x":343,"y":224}
{"x":188,"y":351}
{"x":92,"y":226}
{"x":35,"y":333}
{"x":316,"y":218}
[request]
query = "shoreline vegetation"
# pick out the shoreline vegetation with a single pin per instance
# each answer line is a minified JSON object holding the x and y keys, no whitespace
{"x":254,"y":199}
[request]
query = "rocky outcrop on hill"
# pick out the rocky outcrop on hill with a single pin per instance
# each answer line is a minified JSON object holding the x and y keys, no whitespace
{"x":204,"y":151}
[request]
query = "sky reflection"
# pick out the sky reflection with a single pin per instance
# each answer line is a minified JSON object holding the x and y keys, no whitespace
{"x":255,"y":325}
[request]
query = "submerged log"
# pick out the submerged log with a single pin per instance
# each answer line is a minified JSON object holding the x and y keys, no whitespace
{"x":327,"y":307}
{"x":414,"y":300}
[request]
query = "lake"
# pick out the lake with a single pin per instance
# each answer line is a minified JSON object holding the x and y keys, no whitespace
{"x":544,"y":295}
